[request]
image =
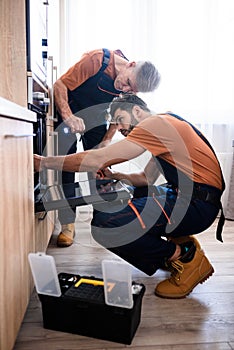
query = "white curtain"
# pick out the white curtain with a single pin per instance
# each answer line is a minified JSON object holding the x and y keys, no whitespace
{"x":190,"y":41}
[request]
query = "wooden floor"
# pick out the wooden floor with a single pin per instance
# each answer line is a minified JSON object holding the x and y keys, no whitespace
{"x":202,"y":321}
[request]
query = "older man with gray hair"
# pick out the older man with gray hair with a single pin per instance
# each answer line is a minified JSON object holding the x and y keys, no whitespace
{"x":80,"y":97}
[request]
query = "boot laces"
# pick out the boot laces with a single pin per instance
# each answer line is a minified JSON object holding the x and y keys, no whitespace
{"x":68,"y":228}
{"x":178,"y":269}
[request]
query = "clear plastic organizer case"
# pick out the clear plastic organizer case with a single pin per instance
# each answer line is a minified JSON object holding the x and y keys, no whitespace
{"x":117,"y":276}
{"x":44,"y":274}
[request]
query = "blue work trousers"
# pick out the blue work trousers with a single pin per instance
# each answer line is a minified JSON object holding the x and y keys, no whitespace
{"x":142,"y":241}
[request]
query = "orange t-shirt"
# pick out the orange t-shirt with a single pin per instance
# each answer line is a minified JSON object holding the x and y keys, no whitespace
{"x":86,"y":67}
{"x":176,"y":142}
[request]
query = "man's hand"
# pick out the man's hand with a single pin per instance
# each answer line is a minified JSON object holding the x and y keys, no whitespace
{"x":104,"y":174}
{"x":37,"y":163}
{"x":76,"y":124}
{"x":61,"y":101}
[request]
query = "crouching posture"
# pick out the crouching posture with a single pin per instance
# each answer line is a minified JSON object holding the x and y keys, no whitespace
{"x":156,"y":228}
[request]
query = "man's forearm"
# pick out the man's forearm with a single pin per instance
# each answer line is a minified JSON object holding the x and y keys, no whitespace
{"x":83,"y":161}
{"x":91,"y":160}
{"x":110,"y":133}
{"x":54,"y":163}
{"x":61,"y":99}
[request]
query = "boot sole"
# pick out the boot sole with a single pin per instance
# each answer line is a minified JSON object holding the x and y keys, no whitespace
{"x":181,"y":296}
{"x":64,"y":244}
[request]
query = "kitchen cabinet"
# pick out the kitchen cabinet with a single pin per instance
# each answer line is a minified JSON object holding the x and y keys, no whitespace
{"x":13,"y":78}
{"x":16,"y":217}
{"x":21,"y":231}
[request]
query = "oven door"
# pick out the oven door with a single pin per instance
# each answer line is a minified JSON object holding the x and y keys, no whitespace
{"x":39,"y":140}
{"x":99,"y":193}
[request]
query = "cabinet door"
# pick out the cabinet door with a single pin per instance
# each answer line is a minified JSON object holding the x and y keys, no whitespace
{"x":13,"y":51}
{"x":16,"y":225}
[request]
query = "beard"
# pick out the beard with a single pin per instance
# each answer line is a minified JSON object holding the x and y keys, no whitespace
{"x":125,"y":132}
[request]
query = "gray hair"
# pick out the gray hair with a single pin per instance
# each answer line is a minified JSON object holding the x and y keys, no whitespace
{"x":147,"y":76}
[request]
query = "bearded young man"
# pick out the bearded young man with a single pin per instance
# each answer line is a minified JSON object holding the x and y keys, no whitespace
{"x":155,"y":229}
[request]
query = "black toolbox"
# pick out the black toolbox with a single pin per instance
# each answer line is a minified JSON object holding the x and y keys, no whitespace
{"x":87,"y":314}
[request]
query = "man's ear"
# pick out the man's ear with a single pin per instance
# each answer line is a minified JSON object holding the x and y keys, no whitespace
{"x":137,"y":112}
{"x":131,"y":64}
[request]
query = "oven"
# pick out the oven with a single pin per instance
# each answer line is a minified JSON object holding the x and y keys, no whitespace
{"x":37,"y":37}
{"x":37,"y":89}
{"x":39,"y":142}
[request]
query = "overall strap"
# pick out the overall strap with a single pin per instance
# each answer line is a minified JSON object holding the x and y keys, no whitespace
{"x":222,"y":217}
{"x":106,"y":59}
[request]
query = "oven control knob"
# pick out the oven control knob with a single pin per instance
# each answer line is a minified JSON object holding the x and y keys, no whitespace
{"x":40,"y":96}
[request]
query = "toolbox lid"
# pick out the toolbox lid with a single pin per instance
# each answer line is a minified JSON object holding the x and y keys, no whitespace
{"x":44,"y":274}
{"x":117,"y":276}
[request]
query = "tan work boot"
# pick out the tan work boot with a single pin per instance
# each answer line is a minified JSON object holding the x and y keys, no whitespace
{"x":183,"y":239}
{"x":180,"y":240}
{"x":65,"y":238}
{"x":185,"y":276}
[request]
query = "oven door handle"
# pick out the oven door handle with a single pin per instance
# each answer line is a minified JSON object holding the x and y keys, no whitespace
{"x":51,"y":90}
{"x":54,"y":135}
{"x":8,"y":136}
